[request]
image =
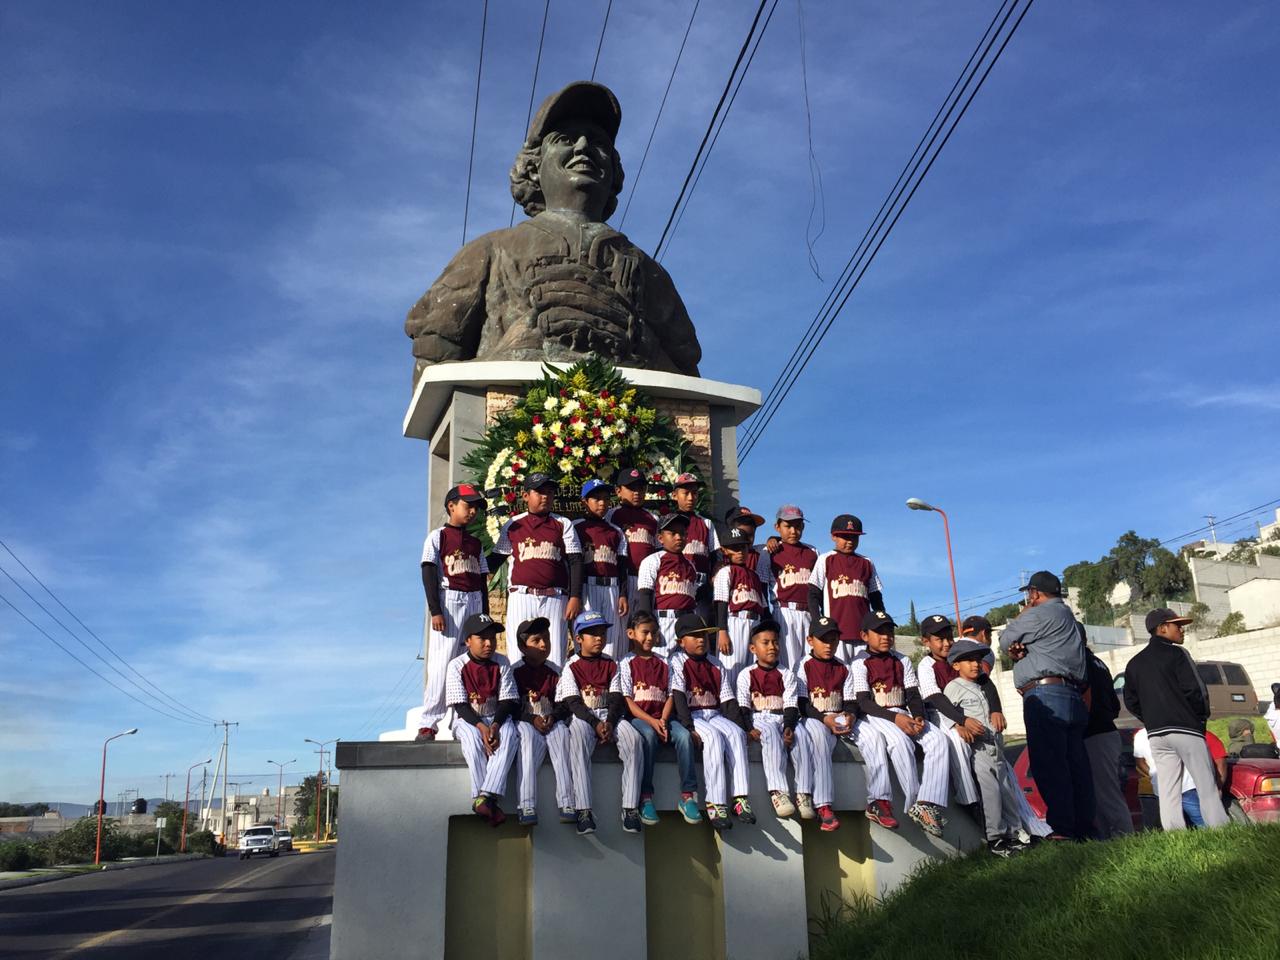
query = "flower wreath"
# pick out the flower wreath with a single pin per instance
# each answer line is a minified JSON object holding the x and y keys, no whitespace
{"x":580,"y":422}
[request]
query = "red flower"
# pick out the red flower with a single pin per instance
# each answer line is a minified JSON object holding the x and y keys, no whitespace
{"x":564,"y":393}
{"x":604,"y":394}
{"x":537,"y":418}
{"x":634,"y":420}
{"x":509,"y":496}
{"x":575,"y":419}
{"x":608,"y":418}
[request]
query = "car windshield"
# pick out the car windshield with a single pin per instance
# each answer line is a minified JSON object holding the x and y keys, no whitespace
{"x":1209,"y":673}
{"x":259,"y":832}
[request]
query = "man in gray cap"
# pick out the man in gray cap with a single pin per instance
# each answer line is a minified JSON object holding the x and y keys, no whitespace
{"x":562,"y":284}
{"x":1049,"y":671}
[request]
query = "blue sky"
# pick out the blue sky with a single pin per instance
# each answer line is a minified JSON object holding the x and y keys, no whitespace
{"x":213,"y":219}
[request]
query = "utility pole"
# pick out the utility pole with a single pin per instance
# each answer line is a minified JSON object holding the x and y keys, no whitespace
{"x":1212,"y":532}
{"x":166,"y":785}
{"x":226,"y":766}
{"x":204,"y":783}
{"x":328,"y":800}
{"x":319,"y":777}
{"x":206,"y":813}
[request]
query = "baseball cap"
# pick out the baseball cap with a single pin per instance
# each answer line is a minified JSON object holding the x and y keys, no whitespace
{"x":590,"y":620}
{"x":536,"y":481}
{"x":975,"y":625}
{"x":1163,"y":615}
{"x":630,"y":477}
{"x":592,"y":486}
{"x":824,"y":628}
{"x":673,"y":520}
{"x":738,"y":538}
{"x":465,"y":491}
{"x":877,"y":621}
{"x":581,"y":99}
{"x":789,"y":511}
{"x":482,"y":624}
{"x":847,"y":524}
{"x":967,"y":650}
{"x":740,"y":516}
{"x":1045,"y":582}
{"x":934,"y":625}
{"x":692,"y":623}
{"x":766,"y":625}
{"x":689,"y":480}
{"x":530,"y":627}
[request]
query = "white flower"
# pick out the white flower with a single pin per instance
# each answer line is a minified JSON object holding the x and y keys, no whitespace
{"x":550,"y":403}
{"x":577,"y":453}
{"x":605,"y":432}
{"x":578,"y":428}
{"x":566,"y":465}
{"x":492,"y":476}
{"x":492,"y":526}
{"x":570,"y":406}
{"x":596,"y":421}
{"x":622,"y":408}
{"x":557,"y":428}
{"x":615,"y":447}
{"x":508,"y":472}
{"x":622,"y":428}
{"x":594,"y":450}
{"x":538,"y":431}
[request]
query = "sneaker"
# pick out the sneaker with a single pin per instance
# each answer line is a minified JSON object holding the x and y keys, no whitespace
{"x":586,"y":823}
{"x":718,"y":814}
{"x":804,"y":803}
{"x":829,"y":819}
{"x":425,"y":735}
{"x":928,"y":817}
{"x":1000,"y":847}
{"x":782,"y":804}
{"x":486,"y":808}
{"x":1016,"y":843}
{"x":568,"y":815}
{"x":528,"y":817}
{"x":742,"y":810}
{"x":689,"y":808}
{"x":879,"y":811}
{"x":631,"y":820}
{"x":648,"y":813}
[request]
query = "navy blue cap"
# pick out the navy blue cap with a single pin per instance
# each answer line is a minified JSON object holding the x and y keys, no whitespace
{"x":535,"y":481}
{"x":877,"y":621}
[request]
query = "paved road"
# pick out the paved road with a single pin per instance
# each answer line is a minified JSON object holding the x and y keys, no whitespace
{"x":260,"y":909}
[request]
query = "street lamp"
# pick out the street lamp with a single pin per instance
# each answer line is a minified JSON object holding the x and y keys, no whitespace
{"x":186,"y":802}
{"x":280,"y":790}
{"x":915,"y":503}
{"x":102,"y":787}
{"x":319,"y":779}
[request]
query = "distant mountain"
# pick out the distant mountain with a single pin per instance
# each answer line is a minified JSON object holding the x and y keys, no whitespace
{"x":73,"y":810}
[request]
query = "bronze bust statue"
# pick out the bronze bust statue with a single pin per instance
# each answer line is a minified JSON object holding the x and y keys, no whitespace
{"x":561,"y":284}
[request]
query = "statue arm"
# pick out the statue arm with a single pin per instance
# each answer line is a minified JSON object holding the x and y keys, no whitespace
{"x":446,"y":323}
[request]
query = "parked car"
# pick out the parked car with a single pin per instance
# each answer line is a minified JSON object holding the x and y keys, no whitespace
{"x":1230,"y":691}
{"x":285,"y":839}
{"x":1018,"y":759}
{"x":1253,"y":789}
{"x":261,"y":839}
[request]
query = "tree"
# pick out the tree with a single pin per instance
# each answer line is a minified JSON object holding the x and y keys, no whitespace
{"x":23,"y":809}
{"x":304,"y":806}
{"x":1094,"y":581}
{"x":913,"y":624}
{"x":1002,"y":614}
{"x":1167,"y":577}
{"x":1233,"y":624}
{"x":171,"y":810}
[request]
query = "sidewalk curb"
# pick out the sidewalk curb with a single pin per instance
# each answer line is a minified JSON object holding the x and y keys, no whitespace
{"x":113,"y":865}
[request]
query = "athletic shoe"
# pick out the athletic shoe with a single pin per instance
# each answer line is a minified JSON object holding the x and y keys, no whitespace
{"x":928,"y":817}
{"x":1000,"y":848}
{"x":528,"y":817}
{"x":1015,"y":843}
{"x":689,"y":808}
{"x":879,"y":811}
{"x":742,"y":810}
{"x":718,"y":814}
{"x":829,"y":819}
{"x":782,"y":804}
{"x":631,"y":820}
{"x":648,"y":813}
{"x":425,"y":735}
{"x":568,"y":815}
{"x":482,"y":808}
{"x":804,"y":803}
{"x":586,"y":823}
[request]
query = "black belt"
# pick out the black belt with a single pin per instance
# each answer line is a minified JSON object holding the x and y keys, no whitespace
{"x":603,"y":581}
{"x":1051,"y":682}
{"x":776,"y":713}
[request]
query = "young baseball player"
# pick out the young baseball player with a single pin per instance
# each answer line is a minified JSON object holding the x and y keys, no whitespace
{"x":453,"y":575}
{"x":825,"y":689}
{"x":934,"y":673}
{"x":791,"y":567}
{"x":741,"y":520}
{"x":740,"y":603}
{"x":705,"y":703}
{"x":844,"y":585}
{"x":541,"y":726}
{"x":990,"y":770}
{"x":481,"y":691}
{"x":646,"y":688}
{"x":604,"y":573}
{"x":888,"y":696}
{"x":591,"y":691}
{"x":638,"y":525}
{"x":545,"y":579}
{"x":667,"y":585}
{"x":701,"y":540}
{"x":769,"y":698}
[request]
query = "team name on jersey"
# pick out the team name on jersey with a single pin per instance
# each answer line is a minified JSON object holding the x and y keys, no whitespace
{"x":698,"y":547}
{"x":672,"y":584}
{"x":744,"y":594}
{"x":826,"y":701}
{"x":594,"y":697}
{"x":486,"y":707}
{"x":793,"y":576}
{"x":531,"y":549}
{"x":458,"y":563}
{"x":640,"y":535}
{"x":701,"y":698}
{"x":604,"y":554}
{"x":842,"y":586}
{"x":887,"y":696}
{"x":763,"y":701}
{"x":647,"y":693}
{"x":539,"y":705}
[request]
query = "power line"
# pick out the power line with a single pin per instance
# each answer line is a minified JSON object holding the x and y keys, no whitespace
{"x":710,"y":126}
{"x":475,"y":115}
{"x":387,"y":699}
{"x":172,"y":701}
{"x":635,"y":183}
{"x":885,"y":225}
{"x":537,"y":65}
{"x":600,"y":45}
{"x":815,"y":171}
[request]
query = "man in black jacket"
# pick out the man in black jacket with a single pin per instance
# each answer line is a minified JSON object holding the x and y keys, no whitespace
{"x":1164,"y":691}
{"x":1102,"y":741}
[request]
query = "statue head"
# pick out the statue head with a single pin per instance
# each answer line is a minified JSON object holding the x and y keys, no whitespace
{"x":568,"y":159}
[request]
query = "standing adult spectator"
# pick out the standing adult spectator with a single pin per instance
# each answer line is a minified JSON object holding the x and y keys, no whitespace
{"x":1102,"y":741}
{"x":1050,"y":673}
{"x":1273,"y":713}
{"x":1164,"y":691}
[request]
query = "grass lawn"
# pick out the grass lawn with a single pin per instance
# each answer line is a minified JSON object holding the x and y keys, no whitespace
{"x":1190,"y":895}
{"x":1261,"y":732}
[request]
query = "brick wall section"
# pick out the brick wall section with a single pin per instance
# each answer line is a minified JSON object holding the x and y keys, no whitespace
{"x":693,"y":419}
{"x":498,"y":400}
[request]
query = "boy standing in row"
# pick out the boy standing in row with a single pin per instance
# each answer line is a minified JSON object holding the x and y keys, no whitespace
{"x":792,"y":565}
{"x":639,"y":527}
{"x":604,"y":574}
{"x":740,"y":603}
{"x":844,"y":585}
{"x":667,"y":584}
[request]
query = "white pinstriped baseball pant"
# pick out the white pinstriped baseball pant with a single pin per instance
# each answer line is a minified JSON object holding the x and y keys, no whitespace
{"x":582,"y":743}
{"x":774,"y":753}
{"x":962,"y":780}
{"x":603,"y":599}
{"x":739,"y":657}
{"x":534,"y":746}
{"x":722,"y":740}
{"x":488,"y":773}
{"x":795,"y":634}
{"x":667,"y":628}
{"x":822,"y":742}
{"x":526,"y":606}
{"x":455,"y":607}
{"x":933,"y":786}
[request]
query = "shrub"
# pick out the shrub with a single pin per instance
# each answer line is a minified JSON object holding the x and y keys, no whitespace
{"x":21,"y":855}
{"x":203,"y":841}
{"x":77,"y":843}
{"x":1234,"y":623}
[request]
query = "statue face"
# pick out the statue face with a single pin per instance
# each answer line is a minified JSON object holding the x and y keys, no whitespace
{"x":576,"y":172}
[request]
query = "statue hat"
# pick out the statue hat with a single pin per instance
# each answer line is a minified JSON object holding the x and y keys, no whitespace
{"x":582,"y":98}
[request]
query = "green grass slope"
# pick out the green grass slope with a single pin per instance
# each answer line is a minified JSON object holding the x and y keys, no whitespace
{"x":1190,"y":895}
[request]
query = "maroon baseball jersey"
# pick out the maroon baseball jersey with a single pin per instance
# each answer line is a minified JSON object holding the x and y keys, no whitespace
{"x":825,"y":681}
{"x":537,"y":686}
{"x":672,"y":578}
{"x":649,"y":683}
{"x":640,"y":527}
{"x":943,"y":672}
{"x":538,"y":545}
{"x":885,"y":677}
{"x":699,"y":542}
{"x":765,"y":689}
{"x":702,"y":683}
{"x":741,"y":589}
{"x":593,"y":675}
{"x":792,"y":568}
{"x":600,"y":541}
{"x":458,"y":556}
{"x":846,"y":581}
{"x":482,"y":680}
